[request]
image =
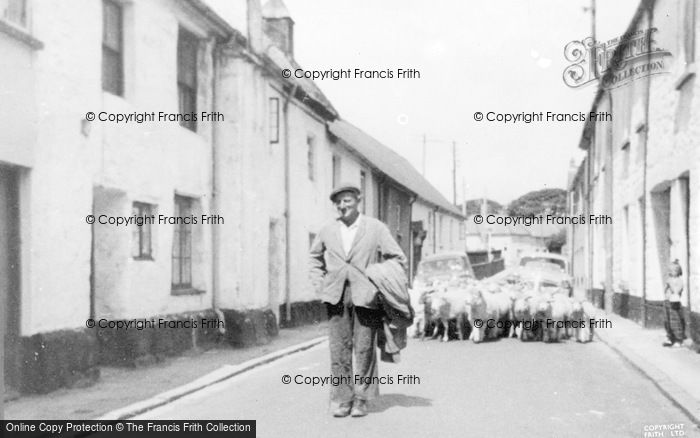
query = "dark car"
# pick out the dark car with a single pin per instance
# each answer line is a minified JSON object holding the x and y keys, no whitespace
{"x":443,"y":267}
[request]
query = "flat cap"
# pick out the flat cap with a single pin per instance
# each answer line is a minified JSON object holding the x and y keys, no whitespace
{"x":344,"y":187}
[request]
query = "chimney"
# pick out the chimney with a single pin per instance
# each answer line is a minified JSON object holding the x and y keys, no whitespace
{"x":279,"y":26}
{"x":255,"y":25}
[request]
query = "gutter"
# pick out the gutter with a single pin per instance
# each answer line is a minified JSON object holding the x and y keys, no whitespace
{"x":287,"y":206}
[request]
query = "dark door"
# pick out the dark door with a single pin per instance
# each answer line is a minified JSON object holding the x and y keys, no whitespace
{"x":9,"y":277}
{"x":395,"y":212}
{"x":418,"y":234}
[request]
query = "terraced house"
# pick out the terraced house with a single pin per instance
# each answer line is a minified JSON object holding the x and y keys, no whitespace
{"x":97,"y":122}
{"x":642,"y":168}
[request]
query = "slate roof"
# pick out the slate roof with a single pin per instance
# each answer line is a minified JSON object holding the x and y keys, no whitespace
{"x":390,"y":163}
{"x":281,"y":61}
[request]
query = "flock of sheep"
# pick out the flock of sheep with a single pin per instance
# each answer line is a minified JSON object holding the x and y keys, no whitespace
{"x":526,"y":310}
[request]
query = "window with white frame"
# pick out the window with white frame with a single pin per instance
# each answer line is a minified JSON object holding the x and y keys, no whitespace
{"x":182,"y":245}
{"x":187,"y":44}
{"x":112,"y":48}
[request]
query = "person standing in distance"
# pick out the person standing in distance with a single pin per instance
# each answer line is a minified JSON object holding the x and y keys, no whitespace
{"x":339,"y":255}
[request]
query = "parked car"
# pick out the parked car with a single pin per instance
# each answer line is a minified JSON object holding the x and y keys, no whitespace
{"x":548,"y":269}
{"x":443,"y":267}
{"x":545,"y":258}
{"x":540,"y":269}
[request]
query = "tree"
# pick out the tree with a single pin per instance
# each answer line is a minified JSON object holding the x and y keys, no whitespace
{"x":545,"y":201}
{"x":556,"y":241}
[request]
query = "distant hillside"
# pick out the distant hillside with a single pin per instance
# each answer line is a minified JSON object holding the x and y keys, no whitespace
{"x":551,"y":201}
{"x":474,"y":206}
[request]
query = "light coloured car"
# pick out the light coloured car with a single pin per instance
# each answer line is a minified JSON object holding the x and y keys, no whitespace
{"x":548,"y":269}
{"x":546,"y":260}
{"x":541,"y":270}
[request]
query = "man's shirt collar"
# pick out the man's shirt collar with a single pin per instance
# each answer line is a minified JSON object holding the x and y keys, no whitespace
{"x":352,"y":225}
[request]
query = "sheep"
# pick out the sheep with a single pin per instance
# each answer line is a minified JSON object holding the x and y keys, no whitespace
{"x":445,"y":305}
{"x":487,"y":306}
{"x":558,"y":314}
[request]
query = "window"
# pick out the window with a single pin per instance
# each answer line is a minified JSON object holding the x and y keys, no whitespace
{"x":141,"y":235}
{"x":187,"y":77}
{"x":182,"y":245}
{"x":336,"y":171}
{"x":112,"y":53}
{"x":274,"y":120}
{"x":310,"y":156}
{"x":363,"y":189}
{"x":312,"y":237}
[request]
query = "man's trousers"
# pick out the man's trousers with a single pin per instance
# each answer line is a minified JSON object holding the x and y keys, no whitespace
{"x":353,"y":330}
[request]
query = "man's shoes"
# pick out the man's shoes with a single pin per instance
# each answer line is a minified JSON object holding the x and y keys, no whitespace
{"x":677,"y":345}
{"x":343,"y":410}
{"x":359,"y":408}
{"x":667,"y":344}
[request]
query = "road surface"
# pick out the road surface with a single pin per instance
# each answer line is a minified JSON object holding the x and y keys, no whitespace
{"x":499,"y":388}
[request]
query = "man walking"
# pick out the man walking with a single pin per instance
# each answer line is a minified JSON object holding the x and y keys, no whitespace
{"x":339,"y":256}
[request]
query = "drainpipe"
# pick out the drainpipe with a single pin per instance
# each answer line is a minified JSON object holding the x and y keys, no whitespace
{"x":644,"y":183}
{"x":287,"y":209}
{"x":589,"y":230}
{"x":215,"y":136}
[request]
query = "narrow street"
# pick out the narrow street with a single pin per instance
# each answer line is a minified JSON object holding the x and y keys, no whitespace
{"x":499,"y":388}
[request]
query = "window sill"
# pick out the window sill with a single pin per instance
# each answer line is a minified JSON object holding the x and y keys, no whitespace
{"x":186,"y":291}
{"x":20,"y":34}
{"x":144,"y":258}
{"x":688,"y":74}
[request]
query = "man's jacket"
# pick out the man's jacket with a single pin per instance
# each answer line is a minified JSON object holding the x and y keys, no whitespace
{"x":392,"y":286}
{"x":330,"y":267}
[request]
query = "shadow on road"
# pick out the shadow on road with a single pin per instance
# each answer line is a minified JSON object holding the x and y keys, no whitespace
{"x":386,"y":401}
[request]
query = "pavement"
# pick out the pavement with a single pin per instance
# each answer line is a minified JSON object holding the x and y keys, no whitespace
{"x":123,"y":392}
{"x":674,"y":371}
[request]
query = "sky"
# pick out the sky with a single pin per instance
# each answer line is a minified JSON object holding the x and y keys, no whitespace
{"x":504,"y":56}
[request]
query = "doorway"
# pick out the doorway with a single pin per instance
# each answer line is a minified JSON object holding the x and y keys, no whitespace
{"x":9,"y":278}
